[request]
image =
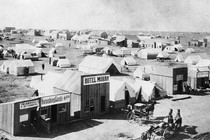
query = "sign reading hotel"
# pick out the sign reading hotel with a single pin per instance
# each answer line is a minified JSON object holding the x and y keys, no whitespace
{"x":29,"y":104}
{"x":56,"y":99}
{"x":96,"y":79}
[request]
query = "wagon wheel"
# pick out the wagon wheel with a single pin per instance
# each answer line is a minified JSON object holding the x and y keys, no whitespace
{"x":166,"y":133}
{"x":130,"y":116}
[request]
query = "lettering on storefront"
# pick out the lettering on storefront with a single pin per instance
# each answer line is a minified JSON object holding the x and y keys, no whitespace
{"x":29,"y":104}
{"x":56,"y":99}
{"x":202,"y":74}
{"x":96,"y":79}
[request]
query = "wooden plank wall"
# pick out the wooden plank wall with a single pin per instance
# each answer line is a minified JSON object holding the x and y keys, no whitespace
{"x":7,"y":117}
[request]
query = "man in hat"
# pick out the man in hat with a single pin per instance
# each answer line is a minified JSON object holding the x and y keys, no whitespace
{"x":178,"y":119}
{"x":170,"y":118}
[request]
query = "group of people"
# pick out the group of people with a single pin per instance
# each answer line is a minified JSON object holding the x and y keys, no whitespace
{"x":177,"y":121}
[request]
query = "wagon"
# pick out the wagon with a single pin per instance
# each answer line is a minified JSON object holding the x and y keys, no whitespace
{"x":138,"y":114}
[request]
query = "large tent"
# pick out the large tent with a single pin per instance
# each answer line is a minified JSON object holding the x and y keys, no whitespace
{"x":19,"y":48}
{"x":163,"y":55}
{"x":21,"y":67}
{"x":45,"y":86}
{"x":192,"y":59}
{"x":38,"y":52}
{"x":121,"y":93}
{"x":179,"y":58}
{"x":52,"y":52}
{"x":95,"y":64}
{"x":63,"y":63}
{"x":142,"y":72}
{"x":147,"y":90}
{"x":128,"y":61}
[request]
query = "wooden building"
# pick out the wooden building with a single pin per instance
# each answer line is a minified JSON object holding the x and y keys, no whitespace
{"x":89,"y":93}
{"x":170,"y":76}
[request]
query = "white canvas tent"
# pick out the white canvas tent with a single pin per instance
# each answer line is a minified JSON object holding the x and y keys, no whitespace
{"x":122,"y":51}
{"x":95,"y":64}
{"x":107,"y":50}
{"x":45,"y":87}
{"x":203,"y":63}
{"x":142,"y":72}
{"x":128,"y":61}
{"x":163,"y":55}
{"x":63,"y":63}
{"x":148,"y":53}
{"x":38,"y":52}
{"x":5,"y":66}
{"x":192,"y":59}
{"x":19,"y":48}
{"x":59,"y":45}
{"x":179,"y":58}
{"x":52,"y":52}
{"x":148,"y":90}
{"x":21,"y":67}
{"x":189,"y":50}
{"x":44,"y":42}
{"x":118,"y":89}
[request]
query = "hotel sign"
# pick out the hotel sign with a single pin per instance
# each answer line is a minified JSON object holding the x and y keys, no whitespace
{"x":95,"y":79}
{"x":29,"y":104}
{"x":56,"y":99}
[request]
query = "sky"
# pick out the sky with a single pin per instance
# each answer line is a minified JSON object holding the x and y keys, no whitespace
{"x":142,"y":15}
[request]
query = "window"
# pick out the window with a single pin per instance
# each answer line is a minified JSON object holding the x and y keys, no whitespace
{"x":62,"y":108}
{"x":44,"y":111}
{"x":89,"y":105}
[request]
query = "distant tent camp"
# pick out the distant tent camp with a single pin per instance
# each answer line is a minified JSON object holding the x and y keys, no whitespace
{"x":45,"y":87}
{"x":122,"y":51}
{"x":95,"y":64}
{"x":179,"y":58}
{"x":189,"y":50}
{"x":148,"y":90}
{"x":59,"y":45}
{"x":128,"y":61}
{"x":24,"y":47}
{"x":148,"y":53}
{"x":21,"y":67}
{"x":192,"y":59}
{"x":121,"y":93}
{"x":163,"y":55}
{"x":63,"y":63}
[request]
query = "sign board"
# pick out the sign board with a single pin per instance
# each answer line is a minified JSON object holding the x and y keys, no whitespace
{"x":24,"y":118}
{"x":202,"y":74}
{"x":175,"y":87}
{"x":179,"y":77}
{"x":56,"y":99}
{"x":29,"y":104}
{"x":96,"y":79}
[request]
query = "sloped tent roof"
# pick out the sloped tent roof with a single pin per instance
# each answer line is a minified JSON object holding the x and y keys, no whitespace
{"x":45,"y":87}
{"x":19,"y":48}
{"x":117,"y":89}
{"x":44,"y":42}
{"x":34,"y":81}
{"x":135,"y":52}
{"x":83,"y":38}
{"x":192,"y":59}
{"x":34,"y":41}
{"x":148,"y":53}
{"x":122,"y":51}
{"x":189,"y":50}
{"x":179,"y":58}
{"x":95,"y":64}
{"x":148,"y":90}
{"x":59,"y":45}
{"x":203,"y":63}
{"x":38,"y":52}
{"x":75,"y":37}
{"x":5,"y":64}
{"x":63,"y":63}
{"x":163,"y":55}
{"x":51,"y":52}
{"x":119,"y":39}
{"x":22,"y":63}
{"x":128,"y":61}
{"x":69,"y":81}
{"x":142,"y":72}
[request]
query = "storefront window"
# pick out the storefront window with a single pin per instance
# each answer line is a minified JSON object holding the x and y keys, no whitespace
{"x":62,"y":108}
{"x":89,"y":105}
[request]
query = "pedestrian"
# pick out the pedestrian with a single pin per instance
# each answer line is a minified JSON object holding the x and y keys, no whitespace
{"x":129,"y":107}
{"x":178,"y":119}
{"x":170,"y":118}
{"x":43,"y":66}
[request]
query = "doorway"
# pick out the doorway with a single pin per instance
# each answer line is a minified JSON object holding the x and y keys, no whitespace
{"x":33,"y":117}
{"x":179,"y":86}
{"x":54,"y":113}
{"x":127,"y":97}
{"x":103,"y":103}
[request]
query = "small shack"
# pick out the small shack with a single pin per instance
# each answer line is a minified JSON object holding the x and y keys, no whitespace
{"x":198,"y":77}
{"x":128,"y":61}
{"x":21,"y":67}
{"x":148,"y":53}
{"x":96,"y":64}
{"x":5,"y":66}
{"x":63,"y":63}
{"x":170,"y":76}
{"x":121,"y":93}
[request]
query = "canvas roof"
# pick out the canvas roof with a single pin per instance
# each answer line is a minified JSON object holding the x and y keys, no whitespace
{"x":97,"y":64}
{"x":70,"y":81}
{"x":22,"y":63}
{"x":163,"y":54}
{"x":64,"y":62}
{"x":43,"y":42}
{"x":45,"y":87}
{"x":203,"y":63}
{"x":179,"y":58}
{"x":192,"y":59}
{"x":128,"y":60}
{"x":24,"y":47}
{"x":119,"y":38}
{"x":189,"y":50}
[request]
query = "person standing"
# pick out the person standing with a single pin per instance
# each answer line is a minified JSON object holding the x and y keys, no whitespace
{"x":43,"y":66}
{"x":178,"y":119}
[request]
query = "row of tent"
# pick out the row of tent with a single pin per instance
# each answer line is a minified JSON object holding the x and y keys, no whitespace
{"x":69,"y":81}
